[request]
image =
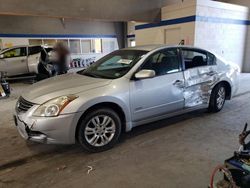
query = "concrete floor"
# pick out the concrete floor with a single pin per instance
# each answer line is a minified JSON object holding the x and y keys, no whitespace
{"x":173,"y":153}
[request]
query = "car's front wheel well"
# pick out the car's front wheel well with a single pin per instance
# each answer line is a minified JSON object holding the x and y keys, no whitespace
{"x":227,"y":87}
{"x":110,"y":105}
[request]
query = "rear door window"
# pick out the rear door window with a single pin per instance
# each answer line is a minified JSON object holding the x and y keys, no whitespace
{"x":35,"y":50}
{"x":194,"y":58}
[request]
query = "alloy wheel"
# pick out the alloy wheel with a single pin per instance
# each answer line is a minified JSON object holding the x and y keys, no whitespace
{"x":100,"y":130}
{"x":221,"y":97}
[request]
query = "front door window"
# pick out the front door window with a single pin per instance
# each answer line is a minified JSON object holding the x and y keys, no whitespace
{"x":16,"y":52}
{"x":163,"y":62}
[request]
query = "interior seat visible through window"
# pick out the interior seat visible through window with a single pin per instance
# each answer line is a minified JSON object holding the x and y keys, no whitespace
{"x":198,"y":60}
{"x":163,"y":62}
{"x":194,"y":58}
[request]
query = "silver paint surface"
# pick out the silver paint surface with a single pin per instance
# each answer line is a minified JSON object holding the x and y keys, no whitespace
{"x":142,"y":101}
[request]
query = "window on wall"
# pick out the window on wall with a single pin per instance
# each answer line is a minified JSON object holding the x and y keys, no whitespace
{"x":49,"y":42}
{"x":132,"y":43}
{"x":35,"y":41}
{"x":86,"y":46}
{"x":65,"y":42}
{"x":112,"y":46}
{"x":96,"y":46}
{"x":78,"y":46}
{"x":74,"y":45}
{"x":108,"y":45}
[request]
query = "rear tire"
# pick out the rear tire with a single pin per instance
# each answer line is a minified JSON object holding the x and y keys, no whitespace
{"x":217,"y":98}
{"x":99,"y":130}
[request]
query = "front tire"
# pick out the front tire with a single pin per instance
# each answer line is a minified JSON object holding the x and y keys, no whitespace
{"x":99,"y":130}
{"x":217,"y":98}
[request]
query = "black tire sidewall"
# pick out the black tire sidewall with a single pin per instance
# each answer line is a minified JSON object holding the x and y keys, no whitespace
{"x":213,"y":107}
{"x":83,"y":123}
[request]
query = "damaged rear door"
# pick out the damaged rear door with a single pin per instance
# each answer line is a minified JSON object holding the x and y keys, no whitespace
{"x":200,"y":74}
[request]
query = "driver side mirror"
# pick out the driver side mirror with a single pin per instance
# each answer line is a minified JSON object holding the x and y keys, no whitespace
{"x":1,"y":56}
{"x":144,"y":73}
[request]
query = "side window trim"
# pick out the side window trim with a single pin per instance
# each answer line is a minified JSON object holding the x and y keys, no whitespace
{"x":181,"y":62}
{"x":214,"y":59}
{"x":28,"y":51}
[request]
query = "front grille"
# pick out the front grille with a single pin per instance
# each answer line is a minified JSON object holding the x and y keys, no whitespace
{"x":23,"y":105}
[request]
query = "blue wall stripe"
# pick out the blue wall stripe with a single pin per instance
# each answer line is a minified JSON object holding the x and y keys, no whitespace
{"x":167,"y":22}
{"x":130,"y":36}
{"x":192,"y":19}
{"x":222,"y":20}
{"x":56,"y":36}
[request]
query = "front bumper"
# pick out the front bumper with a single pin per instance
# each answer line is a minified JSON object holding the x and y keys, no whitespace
{"x":48,"y":130}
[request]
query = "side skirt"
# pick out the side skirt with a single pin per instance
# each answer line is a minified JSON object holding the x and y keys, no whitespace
{"x":165,"y":116}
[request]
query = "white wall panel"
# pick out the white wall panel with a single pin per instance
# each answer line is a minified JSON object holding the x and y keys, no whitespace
{"x":246,"y":66}
{"x":215,"y":32}
{"x":157,"y":35}
{"x":187,"y":8}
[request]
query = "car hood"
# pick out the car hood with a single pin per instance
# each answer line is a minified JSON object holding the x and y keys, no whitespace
{"x":45,"y":90}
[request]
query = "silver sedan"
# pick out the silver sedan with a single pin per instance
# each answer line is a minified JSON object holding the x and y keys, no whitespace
{"x":124,"y":89}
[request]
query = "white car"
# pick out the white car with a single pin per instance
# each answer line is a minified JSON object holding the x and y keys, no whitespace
{"x":21,"y":60}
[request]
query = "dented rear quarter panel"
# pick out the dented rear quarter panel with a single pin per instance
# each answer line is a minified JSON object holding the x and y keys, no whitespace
{"x":200,"y":81}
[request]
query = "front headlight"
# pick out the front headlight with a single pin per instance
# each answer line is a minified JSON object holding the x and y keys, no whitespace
{"x":54,"y":106}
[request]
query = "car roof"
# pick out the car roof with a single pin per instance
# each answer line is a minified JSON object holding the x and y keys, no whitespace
{"x":19,"y":46}
{"x":145,"y":47}
{"x":160,"y":46}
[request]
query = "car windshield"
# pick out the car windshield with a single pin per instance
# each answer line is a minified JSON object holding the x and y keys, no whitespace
{"x":115,"y":64}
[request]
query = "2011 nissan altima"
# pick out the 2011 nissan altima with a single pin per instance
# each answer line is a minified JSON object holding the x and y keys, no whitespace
{"x":124,"y":89}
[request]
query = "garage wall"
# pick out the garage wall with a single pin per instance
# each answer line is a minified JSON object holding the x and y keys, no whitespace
{"x":221,"y":28}
{"x":246,"y":66}
{"x":9,"y":41}
{"x":164,"y":13}
{"x":82,"y":37}
{"x":41,"y":25}
{"x":114,"y":10}
{"x":215,"y":26}
{"x":177,"y":24}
